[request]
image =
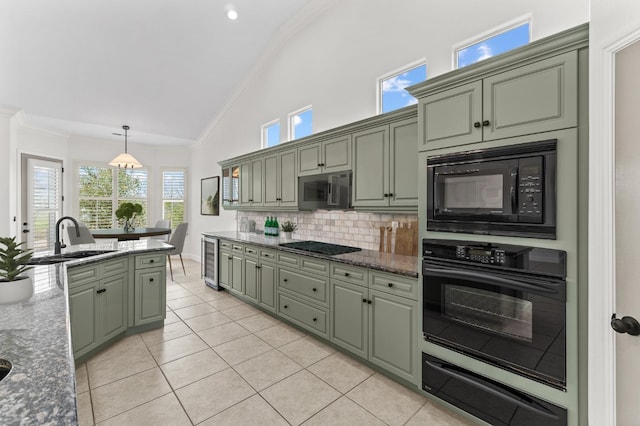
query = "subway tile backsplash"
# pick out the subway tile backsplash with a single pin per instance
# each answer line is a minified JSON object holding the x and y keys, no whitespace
{"x":351,"y":228}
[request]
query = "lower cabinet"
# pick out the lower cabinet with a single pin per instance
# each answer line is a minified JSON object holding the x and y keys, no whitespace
{"x":230,"y":272}
{"x":97,"y":310}
{"x":377,"y":326}
{"x":150,"y":296}
{"x":310,"y":317}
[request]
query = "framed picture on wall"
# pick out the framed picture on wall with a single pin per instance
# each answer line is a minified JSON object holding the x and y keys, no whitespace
{"x":210,"y":196}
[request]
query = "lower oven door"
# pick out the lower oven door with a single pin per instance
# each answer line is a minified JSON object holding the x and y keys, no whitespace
{"x":513,"y":321}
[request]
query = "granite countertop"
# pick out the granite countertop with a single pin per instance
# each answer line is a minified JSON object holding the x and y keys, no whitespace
{"x":35,"y":337}
{"x":386,"y":262}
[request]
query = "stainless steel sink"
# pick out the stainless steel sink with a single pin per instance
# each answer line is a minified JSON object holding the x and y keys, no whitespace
{"x":5,"y":368}
{"x":58,"y":258}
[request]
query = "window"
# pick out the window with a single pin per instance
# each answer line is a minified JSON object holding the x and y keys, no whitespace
{"x":391,"y":88}
{"x":495,"y":44}
{"x":173,"y":196}
{"x":271,"y":134}
{"x":300,"y":123}
{"x":102,"y":189}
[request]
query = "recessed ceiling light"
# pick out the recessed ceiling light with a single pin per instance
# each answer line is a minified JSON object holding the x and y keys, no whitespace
{"x":232,"y":14}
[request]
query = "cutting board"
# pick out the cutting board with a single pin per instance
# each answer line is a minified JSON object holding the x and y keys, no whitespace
{"x":407,"y":239}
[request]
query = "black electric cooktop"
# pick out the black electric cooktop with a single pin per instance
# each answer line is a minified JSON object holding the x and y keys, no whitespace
{"x":322,"y":248}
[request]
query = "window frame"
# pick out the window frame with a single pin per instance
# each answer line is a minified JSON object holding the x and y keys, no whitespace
{"x":291,"y":127}
{"x":495,"y":31}
{"x":185,"y":198}
{"x":263,"y":133}
{"x":114,"y":198}
{"x":406,"y":68}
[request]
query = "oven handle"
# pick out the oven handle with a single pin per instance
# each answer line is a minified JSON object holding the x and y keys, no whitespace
{"x":538,"y":287}
{"x":512,"y":395}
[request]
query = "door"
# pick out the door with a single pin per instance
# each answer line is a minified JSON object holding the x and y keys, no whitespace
{"x":225,"y":270}
{"x":113,"y":305}
{"x":149,"y":295}
{"x":267,"y":289}
{"x":403,"y":163}
{"x":251,"y":279}
{"x":371,"y":167}
{"x":82,"y":313}
{"x":41,"y":201}
{"x":350,"y":307}
{"x":627,"y":169}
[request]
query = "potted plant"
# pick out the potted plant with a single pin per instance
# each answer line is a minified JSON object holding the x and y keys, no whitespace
{"x":288,"y":227}
{"x":14,"y":261}
{"x":128,"y":212}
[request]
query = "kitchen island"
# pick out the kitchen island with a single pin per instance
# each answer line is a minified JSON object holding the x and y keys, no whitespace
{"x":35,"y":336}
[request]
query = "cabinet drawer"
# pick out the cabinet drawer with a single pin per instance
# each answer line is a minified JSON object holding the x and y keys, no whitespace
{"x":82,"y":275}
{"x":268,"y":255}
{"x":225,"y":245}
{"x":251,"y":251}
{"x":308,"y":286}
{"x":237,"y":248}
{"x":307,"y":316}
{"x":288,"y":259}
{"x":113,"y":267}
{"x":313,"y":265}
{"x":349,"y":274}
{"x":394,"y":284}
{"x":150,"y":260}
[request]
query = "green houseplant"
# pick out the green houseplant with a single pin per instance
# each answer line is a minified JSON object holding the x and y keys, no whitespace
{"x":288,"y":227}
{"x":14,"y":261}
{"x":128,"y":211}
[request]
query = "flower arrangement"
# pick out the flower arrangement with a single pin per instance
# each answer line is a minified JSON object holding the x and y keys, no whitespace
{"x":128,"y":212}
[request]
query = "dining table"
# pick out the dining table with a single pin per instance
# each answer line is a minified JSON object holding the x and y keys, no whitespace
{"x":134,"y":234}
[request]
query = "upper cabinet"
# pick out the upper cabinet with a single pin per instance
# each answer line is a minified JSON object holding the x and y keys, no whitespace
{"x":529,"y":99}
{"x":251,"y":182}
{"x":280,"y":179}
{"x":385,"y":165}
{"x":333,"y":155}
{"x":231,"y":186}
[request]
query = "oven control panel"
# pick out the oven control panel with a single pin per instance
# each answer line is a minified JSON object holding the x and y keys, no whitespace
{"x":481,"y":255}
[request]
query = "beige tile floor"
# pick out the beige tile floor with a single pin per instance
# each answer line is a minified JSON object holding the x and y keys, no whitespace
{"x":219,"y":361}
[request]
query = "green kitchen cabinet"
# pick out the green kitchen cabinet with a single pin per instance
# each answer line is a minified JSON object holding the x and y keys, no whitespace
{"x":230,"y":187}
{"x":150,"y":288}
{"x":529,"y":99}
{"x":250,"y":270}
{"x":393,"y":333}
{"x":112,"y":310}
{"x":267,"y":285}
{"x":281,"y":179}
{"x":260,"y":277}
{"x":237,"y":278}
{"x":83,"y":318}
{"x":332,"y":155}
{"x":224,"y":270}
{"x":251,"y":183}
{"x":349,"y":310}
{"x":385,"y":166}
{"x":230,"y":267}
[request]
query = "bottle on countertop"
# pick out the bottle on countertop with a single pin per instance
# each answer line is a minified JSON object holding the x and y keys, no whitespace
{"x":276,"y":227}
{"x":266,"y":226}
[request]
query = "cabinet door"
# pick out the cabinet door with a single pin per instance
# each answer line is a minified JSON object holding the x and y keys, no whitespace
{"x":256,"y":182}
{"x":271,"y":171}
{"x":236,"y":274}
{"x":309,"y":159}
{"x":452,"y":117}
{"x":83,"y":318}
{"x":336,"y":154}
{"x":113,"y":306}
{"x":229,"y":186}
{"x":392,"y":334}
{"x":288,"y":179}
{"x":267,"y":288}
{"x":224,"y":270}
{"x":403,"y":163}
{"x":251,"y":279}
{"x":371,"y":167}
{"x":150,"y":296}
{"x":532,"y":99}
{"x":246,"y":184}
{"x":349,"y":309}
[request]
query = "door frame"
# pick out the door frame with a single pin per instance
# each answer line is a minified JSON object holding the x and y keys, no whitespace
{"x":601,"y":239}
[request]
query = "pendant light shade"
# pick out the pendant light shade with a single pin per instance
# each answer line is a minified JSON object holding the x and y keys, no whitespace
{"x":125,"y":160}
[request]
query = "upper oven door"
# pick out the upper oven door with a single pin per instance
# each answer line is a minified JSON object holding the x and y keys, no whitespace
{"x":510,"y":320}
{"x":480,"y":191}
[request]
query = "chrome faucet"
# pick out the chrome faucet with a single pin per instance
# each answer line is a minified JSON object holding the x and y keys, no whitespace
{"x":57,"y":246}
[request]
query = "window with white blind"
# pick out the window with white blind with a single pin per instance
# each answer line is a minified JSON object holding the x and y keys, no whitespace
{"x":173,"y":196}
{"x":102,"y":189}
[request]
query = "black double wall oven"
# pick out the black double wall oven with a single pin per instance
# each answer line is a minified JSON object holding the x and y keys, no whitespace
{"x":504,"y":305}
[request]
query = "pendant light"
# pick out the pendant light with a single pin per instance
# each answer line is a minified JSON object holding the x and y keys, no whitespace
{"x":125,"y":160}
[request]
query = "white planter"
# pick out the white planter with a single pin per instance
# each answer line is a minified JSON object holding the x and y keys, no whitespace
{"x":287,"y":235}
{"x":16,"y":291}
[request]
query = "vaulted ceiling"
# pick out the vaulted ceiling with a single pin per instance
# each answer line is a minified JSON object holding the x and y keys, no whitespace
{"x":164,"y":67}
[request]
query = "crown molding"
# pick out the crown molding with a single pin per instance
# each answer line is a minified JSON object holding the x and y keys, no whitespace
{"x":8,"y":111}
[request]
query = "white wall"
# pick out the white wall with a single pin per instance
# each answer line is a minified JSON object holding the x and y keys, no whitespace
{"x":334,"y":59}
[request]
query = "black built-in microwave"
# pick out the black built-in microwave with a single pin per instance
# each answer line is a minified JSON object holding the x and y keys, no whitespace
{"x":508,"y":190}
